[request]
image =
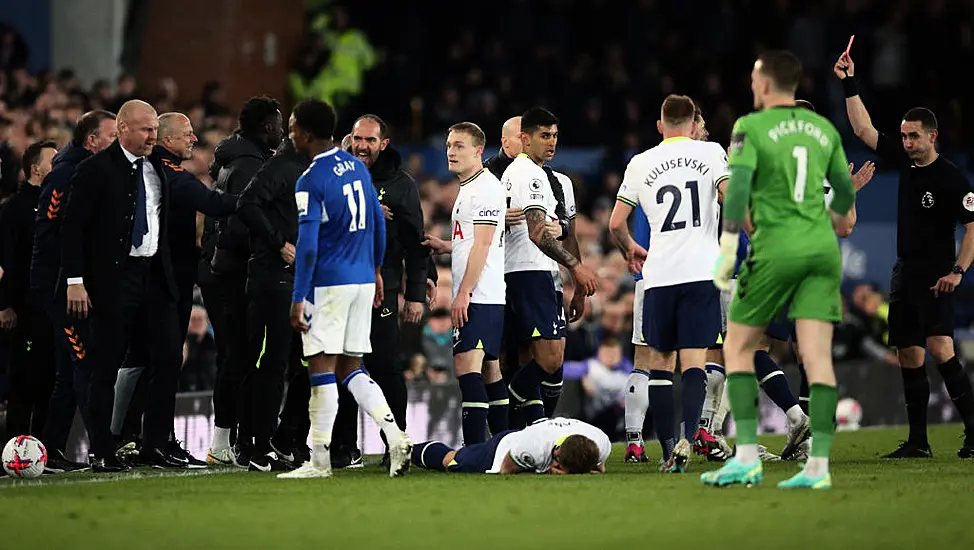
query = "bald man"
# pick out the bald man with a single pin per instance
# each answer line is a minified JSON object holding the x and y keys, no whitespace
{"x":510,"y":147}
{"x":188,"y":195}
{"x":116,"y":264}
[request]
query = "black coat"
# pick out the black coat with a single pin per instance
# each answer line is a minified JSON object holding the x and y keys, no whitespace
{"x":97,"y":229}
{"x":188,"y":196}
{"x":235,"y":161}
{"x":405,"y":231}
{"x":17,"y":232}
{"x":268,"y":210}
{"x":55,"y":190}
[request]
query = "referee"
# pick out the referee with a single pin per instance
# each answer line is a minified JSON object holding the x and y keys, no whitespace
{"x":934,"y":196}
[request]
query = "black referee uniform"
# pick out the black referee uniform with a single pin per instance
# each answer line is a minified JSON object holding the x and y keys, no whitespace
{"x":932,"y":200}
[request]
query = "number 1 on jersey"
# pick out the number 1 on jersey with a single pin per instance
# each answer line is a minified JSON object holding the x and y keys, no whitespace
{"x":800,"y":154}
{"x":356,"y":208}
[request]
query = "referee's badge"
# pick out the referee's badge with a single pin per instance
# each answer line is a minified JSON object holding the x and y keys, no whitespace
{"x":927,"y":200}
{"x":969,"y":202}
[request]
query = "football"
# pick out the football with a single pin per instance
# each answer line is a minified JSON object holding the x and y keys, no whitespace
{"x":848,"y":414}
{"x":24,"y":457}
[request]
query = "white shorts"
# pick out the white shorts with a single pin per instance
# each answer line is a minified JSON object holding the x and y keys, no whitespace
{"x":637,"y":313}
{"x":340,"y":320}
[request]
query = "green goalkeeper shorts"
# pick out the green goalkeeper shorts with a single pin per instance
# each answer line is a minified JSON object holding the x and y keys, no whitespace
{"x":807,"y":284}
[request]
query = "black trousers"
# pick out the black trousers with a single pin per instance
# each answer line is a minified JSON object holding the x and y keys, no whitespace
{"x":73,"y":361}
{"x":295,"y":424}
{"x":138,"y":356}
{"x":270,"y":338}
{"x":31,"y":371}
{"x":145,"y":311}
{"x":384,"y":367}
{"x":227,"y":305}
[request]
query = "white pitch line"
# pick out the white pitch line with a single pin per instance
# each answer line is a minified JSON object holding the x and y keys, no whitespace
{"x":65,"y":479}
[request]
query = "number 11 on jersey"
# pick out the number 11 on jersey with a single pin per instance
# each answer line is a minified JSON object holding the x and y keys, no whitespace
{"x":356,"y":208}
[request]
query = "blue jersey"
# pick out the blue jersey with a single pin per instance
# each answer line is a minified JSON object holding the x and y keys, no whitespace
{"x":341,"y":229}
{"x":640,"y":234}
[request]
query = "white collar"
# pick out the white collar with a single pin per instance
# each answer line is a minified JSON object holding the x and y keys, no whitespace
{"x":131,"y":158}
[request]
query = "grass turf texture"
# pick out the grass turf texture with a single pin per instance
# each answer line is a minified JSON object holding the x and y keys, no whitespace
{"x":875,"y":504}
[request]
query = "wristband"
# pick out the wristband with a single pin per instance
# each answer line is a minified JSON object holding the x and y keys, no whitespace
{"x":850,"y":87}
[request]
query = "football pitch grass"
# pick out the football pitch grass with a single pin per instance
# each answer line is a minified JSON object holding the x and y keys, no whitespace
{"x":874,"y":504}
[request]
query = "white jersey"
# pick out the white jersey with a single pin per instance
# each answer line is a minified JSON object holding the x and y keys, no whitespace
{"x":528,"y":189}
{"x":675,"y":183}
{"x":828,"y":195}
{"x":569,"y":189}
{"x":533,"y":447}
{"x":480,"y":201}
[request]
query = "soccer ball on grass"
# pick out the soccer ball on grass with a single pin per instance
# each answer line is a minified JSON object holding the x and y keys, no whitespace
{"x":848,"y":414}
{"x":24,"y":457}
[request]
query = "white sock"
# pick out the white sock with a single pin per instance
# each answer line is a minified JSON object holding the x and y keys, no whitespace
{"x":795,"y":416}
{"x":637,"y":403}
{"x":817,"y":466}
{"x":323,"y":409}
{"x":368,"y":395}
{"x":715,"y":394}
{"x":221,"y":438}
{"x":723,"y":409}
{"x":747,"y":454}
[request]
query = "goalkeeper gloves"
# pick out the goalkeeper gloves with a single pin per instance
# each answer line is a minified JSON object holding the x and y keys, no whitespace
{"x":724,"y":270}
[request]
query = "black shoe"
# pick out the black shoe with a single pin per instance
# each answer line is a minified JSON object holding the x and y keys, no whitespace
{"x":57,"y":463}
{"x":127,"y":451}
{"x":267,"y":463}
{"x":157,"y":458}
{"x":967,"y":451}
{"x":110,"y":465}
{"x":908,"y":449}
{"x":286,"y":458}
{"x":177,"y":452}
{"x":386,"y":461}
{"x":346,"y":458}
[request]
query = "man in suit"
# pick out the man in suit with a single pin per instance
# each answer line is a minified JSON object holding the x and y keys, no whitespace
{"x":116,"y":264}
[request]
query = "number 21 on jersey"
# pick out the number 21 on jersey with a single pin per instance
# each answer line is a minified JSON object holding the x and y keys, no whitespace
{"x":356,"y":205}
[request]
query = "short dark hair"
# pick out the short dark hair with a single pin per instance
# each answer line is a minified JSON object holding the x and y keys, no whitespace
{"x":383,"y":127}
{"x":537,"y":117}
{"x":479,"y":138}
{"x":805,"y":104}
{"x":677,"y":110}
{"x":32,"y":155}
{"x":255,"y":112}
{"x":783,"y":68}
{"x":924,"y":116}
{"x":578,"y":454}
{"x":697,"y":112}
{"x":88,"y":125}
{"x":316,"y":117}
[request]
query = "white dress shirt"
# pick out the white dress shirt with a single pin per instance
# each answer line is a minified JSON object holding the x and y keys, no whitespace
{"x":153,"y":207}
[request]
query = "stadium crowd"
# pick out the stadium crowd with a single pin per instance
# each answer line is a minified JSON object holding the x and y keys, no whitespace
{"x":480,"y":77}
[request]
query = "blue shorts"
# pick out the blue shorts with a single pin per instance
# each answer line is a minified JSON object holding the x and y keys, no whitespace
{"x":533,"y":307}
{"x":683,"y":316}
{"x":483,"y":330}
{"x":477,"y":458}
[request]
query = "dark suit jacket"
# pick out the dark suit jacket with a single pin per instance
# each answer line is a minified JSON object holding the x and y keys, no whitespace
{"x":97,"y":228}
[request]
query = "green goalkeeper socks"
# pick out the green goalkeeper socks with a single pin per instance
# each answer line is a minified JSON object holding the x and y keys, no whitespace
{"x":742,"y":388}
{"x":821,"y":407}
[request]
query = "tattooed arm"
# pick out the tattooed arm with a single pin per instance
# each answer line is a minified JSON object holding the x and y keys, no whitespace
{"x":549,"y":245}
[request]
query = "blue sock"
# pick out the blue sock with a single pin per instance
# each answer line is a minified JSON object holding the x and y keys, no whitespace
{"x":694,"y":393}
{"x":773,"y":381}
{"x":551,"y":392}
{"x":526,"y":390}
{"x":474,"y":406}
{"x":430,"y":455}
{"x":664,"y":409}
{"x":322,"y":378}
{"x":497,"y":411}
{"x":803,"y":389}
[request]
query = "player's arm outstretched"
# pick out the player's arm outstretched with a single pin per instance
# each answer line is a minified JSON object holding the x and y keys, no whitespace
{"x":844,"y":225}
{"x":862,"y":125}
{"x":548,"y":244}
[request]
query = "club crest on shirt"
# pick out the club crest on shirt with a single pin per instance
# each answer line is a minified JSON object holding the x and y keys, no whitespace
{"x":927,"y":200}
{"x":535,"y":185}
{"x":969,"y":202}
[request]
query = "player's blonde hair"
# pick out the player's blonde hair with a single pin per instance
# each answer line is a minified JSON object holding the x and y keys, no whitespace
{"x":471,"y":129}
{"x":677,"y":110}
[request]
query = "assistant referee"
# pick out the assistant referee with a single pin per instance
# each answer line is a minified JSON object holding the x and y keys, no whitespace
{"x":934,"y":196}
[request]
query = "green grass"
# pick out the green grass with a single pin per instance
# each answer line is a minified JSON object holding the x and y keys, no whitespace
{"x":875,"y":504}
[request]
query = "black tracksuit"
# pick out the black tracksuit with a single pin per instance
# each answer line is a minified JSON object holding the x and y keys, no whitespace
{"x":31,"y":341}
{"x":71,"y":335}
{"x":268,"y":210}
{"x":223,"y":281}
{"x":404,"y":233}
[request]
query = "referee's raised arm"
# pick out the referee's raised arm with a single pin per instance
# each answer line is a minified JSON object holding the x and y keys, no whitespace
{"x":862,"y":125}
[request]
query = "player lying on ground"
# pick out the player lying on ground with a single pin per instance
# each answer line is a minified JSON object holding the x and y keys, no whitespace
{"x":552,"y":446}
{"x":779,"y":158}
